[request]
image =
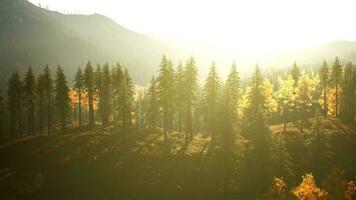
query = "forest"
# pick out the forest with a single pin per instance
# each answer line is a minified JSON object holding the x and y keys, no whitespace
{"x":287,"y":134}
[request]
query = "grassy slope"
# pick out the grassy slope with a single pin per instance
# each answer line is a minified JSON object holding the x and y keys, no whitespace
{"x":95,"y":165}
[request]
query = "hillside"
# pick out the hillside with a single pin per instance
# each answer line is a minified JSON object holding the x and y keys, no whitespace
{"x":32,"y":35}
{"x":94,"y":164}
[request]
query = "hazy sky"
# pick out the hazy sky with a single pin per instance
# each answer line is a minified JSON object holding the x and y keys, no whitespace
{"x":236,"y":24}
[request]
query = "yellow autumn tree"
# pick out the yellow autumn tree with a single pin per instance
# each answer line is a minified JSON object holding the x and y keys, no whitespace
{"x":337,"y":187}
{"x":286,"y":99}
{"x":278,"y":191}
{"x":307,"y":190}
{"x":270,"y":103}
{"x":305,"y":87}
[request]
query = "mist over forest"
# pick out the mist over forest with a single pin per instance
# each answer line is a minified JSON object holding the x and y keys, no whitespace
{"x":90,"y":109}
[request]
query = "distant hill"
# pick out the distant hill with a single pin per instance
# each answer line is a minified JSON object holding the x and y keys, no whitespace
{"x":32,"y":35}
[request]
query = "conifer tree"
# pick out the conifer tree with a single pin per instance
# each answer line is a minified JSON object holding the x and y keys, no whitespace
{"x":190,"y":86}
{"x":116,"y":78}
{"x":14,"y":104}
{"x":233,"y":81}
{"x":152,"y":104}
{"x":48,"y":94}
{"x":257,"y":132}
{"x":211,"y":97}
{"x":98,"y":90}
{"x":89,"y":86}
{"x":106,"y":95}
{"x":62,"y":98}
{"x":165,"y":96}
{"x":179,"y":92}
{"x":41,"y":101}
{"x":79,"y":86}
{"x":126,"y":101}
{"x":347,"y":107}
{"x":336,"y":81}
{"x":324,"y":82}
{"x":30,"y":98}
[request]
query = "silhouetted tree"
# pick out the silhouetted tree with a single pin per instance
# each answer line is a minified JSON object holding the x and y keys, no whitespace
{"x":48,"y":94}
{"x":347,"y":107}
{"x":79,"y":86}
{"x":233,"y":81}
{"x":165,"y":96}
{"x":89,"y":86}
{"x":61,"y":98}
{"x":14,"y":104}
{"x":30,"y":98}
{"x":106,"y":95}
{"x":336,"y":81}
{"x":211,"y":96}
{"x":324,"y":74}
{"x":190,"y":85}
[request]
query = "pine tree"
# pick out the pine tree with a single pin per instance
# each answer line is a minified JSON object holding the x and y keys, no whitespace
{"x":48,"y":94}
{"x":98,"y":90}
{"x":126,"y":102}
{"x":190,"y":85}
{"x":41,"y":100}
{"x":30,"y":98}
{"x":79,"y":86}
{"x":347,"y":107}
{"x":116,"y":78}
{"x":233,"y":81}
{"x":89,"y":86}
{"x":165,"y":96}
{"x":62,"y":98}
{"x":324,"y":82}
{"x":179,"y":103}
{"x":336,"y":81}
{"x":14,"y":104}
{"x":257,"y":132}
{"x":211,"y":97}
{"x":106,"y":95}
{"x":152,"y":104}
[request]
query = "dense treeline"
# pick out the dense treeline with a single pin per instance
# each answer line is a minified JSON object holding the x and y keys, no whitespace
{"x":237,"y":116}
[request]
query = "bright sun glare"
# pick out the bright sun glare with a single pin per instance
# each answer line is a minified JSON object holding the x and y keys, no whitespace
{"x":235,"y":25}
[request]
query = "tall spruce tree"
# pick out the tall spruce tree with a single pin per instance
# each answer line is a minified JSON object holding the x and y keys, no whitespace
{"x":190,"y":86}
{"x":89,"y":86}
{"x":295,"y":72}
{"x":30,"y":99}
{"x":211,"y":97}
{"x":116,"y":78}
{"x":79,"y":86}
{"x":14,"y":104}
{"x":48,"y":94}
{"x":126,"y":102}
{"x":165,"y":96}
{"x":179,"y":100}
{"x":62,"y":98}
{"x":41,"y":102}
{"x":324,"y":74}
{"x":347,"y":107}
{"x":98,"y":90}
{"x":336,"y":81}
{"x":106,"y":95}
{"x":233,"y":81}
{"x":152,"y":104}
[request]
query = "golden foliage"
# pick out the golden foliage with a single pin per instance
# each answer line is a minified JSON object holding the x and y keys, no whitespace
{"x":307,"y":190}
{"x":337,"y":187}
{"x":278,"y":191}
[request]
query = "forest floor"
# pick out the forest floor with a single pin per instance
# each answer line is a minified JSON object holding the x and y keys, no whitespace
{"x":95,"y":164}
